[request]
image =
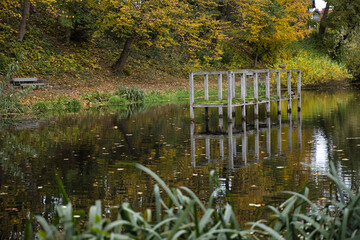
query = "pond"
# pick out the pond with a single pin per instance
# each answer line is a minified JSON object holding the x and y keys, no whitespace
{"x":255,"y":160}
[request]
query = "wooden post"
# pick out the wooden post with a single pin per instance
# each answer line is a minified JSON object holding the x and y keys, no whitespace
{"x":244,"y":143}
{"x":289,"y":91}
{"x":229,"y":97}
{"x":267,"y":92}
{"x":207,"y":148}
{"x":231,"y":145}
{"x":191,"y":96}
{"x":257,"y":148}
{"x":279,"y":134}
{"x":278,"y":91}
{"x":299,"y":90}
{"x":268,"y":136}
{"x":299,"y":130}
{"x":290,"y":131}
{"x":243,"y":94}
{"x":256,"y":96}
{"x":220,"y":94}
{"x":233,"y":85}
{"x":221,"y":146}
{"x":192,"y":142}
{"x":206,"y":87}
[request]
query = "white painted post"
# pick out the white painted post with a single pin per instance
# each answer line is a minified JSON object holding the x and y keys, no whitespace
{"x":289,"y":91}
{"x":279,"y":134}
{"x":244,"y":143}
{"x":231,"y":145}
{"x":243,"y":94}
{"x":267,"y":92}
{"x":233,"y":85}
{"x":256,"y":96}
{"x":206,"y":87}
{"x":191,"y":96}
{"x":299,"y":90}
{"x":220,"y":94}
{"x":192,"y":142}
{"x":268,"y":136}
{"x":278,"y":91}
{"x":299,"y":130}
{"x":221,"y":146}
{"x":229,"y":97}
{"x":290,"y":131}
{"x":257,"y":148}
{"x":207,"y":148}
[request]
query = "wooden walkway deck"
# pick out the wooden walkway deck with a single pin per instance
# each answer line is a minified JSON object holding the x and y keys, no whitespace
{"x":231,"y":100}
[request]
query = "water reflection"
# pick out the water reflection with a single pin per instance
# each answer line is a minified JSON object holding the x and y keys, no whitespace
{"x":255,"y":160}
{"x":239,"y":155}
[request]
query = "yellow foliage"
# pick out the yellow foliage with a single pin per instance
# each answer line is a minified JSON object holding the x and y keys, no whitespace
{"x":268,"y":25}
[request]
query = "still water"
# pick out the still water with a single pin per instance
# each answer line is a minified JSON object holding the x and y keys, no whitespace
{"x":255,"y":160}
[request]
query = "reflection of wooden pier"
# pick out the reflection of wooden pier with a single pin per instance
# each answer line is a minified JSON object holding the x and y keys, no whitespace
{"x":256,"y":76}
{"x":232,"y":135}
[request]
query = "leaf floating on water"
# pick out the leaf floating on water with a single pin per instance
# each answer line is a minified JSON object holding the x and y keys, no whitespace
{"x":115,"y":127}
{"x":40,"y":187}
{"x":254,"y":205}
{"x":128,"y":134}
{"x":280,"y":167}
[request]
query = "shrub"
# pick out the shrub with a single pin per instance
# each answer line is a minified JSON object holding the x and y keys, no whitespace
{"x":117,"y":100}
{"x":131,"y":94}
{"x":73,"y":105}
{"x":41,"y":107}
{"x":10,"y":100}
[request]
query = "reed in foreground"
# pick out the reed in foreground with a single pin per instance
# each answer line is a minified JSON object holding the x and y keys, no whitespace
{"x":180,"y":214}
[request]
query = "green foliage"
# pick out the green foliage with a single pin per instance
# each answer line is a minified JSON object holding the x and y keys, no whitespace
{"x":96,"y":97}
{"x":300,"y":218}
{"x":179,"y":213}
{"x":316,"y":67}
{"x":10,"y":100}
{"x":131,"y":94}
{"x":73,"y":105}
{"x":117,"y":100}
{"x":41,"y":107}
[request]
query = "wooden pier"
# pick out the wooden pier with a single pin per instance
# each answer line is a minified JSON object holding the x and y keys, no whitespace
{"x":233,"y":86}
{"x":235,"y":135}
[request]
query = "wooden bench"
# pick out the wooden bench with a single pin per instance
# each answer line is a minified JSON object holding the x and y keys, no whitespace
{"x":25,"y":82}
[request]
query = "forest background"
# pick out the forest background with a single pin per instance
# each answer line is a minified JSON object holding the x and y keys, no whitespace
{"x":76,"y":44}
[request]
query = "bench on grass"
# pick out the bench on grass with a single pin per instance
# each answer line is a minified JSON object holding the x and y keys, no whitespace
{"x":25,"y":82}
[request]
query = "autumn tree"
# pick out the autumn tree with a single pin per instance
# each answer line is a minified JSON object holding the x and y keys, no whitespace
{"x":167,"y":23}
{"x":269,"y":25}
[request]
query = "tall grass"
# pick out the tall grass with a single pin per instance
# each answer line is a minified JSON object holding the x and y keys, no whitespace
{"x":180,"y":214}
{"x":10,"y":101}
{"x":316,"y":66}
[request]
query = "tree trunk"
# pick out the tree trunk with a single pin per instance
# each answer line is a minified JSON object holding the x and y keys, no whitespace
{"x":120,"y":63}
{"x":68,"y":34}
{"x":323,"y":21}
{"x":25,"y":17}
